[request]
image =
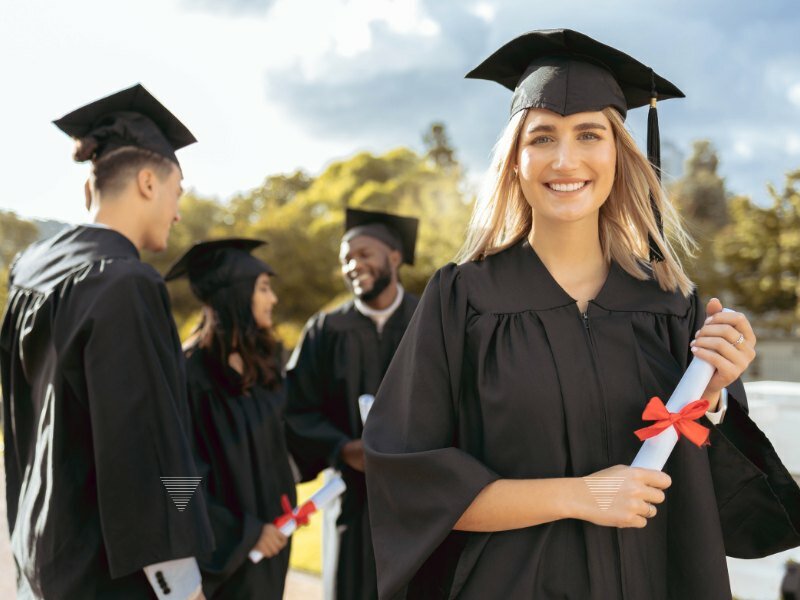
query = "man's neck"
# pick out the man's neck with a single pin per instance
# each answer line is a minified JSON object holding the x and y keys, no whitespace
{"x":385,"y":299}
{"x":120,"y":220}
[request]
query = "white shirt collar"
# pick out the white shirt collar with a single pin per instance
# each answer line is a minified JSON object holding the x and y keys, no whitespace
{"x":380,"y":316}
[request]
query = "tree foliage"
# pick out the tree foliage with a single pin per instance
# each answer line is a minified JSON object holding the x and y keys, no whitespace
{"x":302,"y":219}
{"x":760,"y":250}
{"x":702,"y":201}
{"x":750,"y":254}
{"x":15,"y":234}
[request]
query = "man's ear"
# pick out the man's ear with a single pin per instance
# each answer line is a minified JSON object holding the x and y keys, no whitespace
{"x":146,"y":183}
{"x":395,"y":259}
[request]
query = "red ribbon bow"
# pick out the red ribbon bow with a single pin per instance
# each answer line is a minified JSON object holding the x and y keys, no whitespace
{"x":683,"y":421}
{"x":299,"y":515}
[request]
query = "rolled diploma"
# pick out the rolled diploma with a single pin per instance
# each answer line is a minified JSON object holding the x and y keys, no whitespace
{"x":321,"y":498}
{"x":365,"y":402}
{"x":655,"y":451}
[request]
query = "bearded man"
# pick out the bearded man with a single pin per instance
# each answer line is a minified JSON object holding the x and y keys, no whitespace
{"x":342,"y":356}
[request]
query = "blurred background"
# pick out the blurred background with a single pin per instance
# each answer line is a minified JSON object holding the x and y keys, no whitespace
{"x":303,"y":107}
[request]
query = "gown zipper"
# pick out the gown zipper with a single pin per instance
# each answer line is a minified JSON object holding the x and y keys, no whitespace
{"x":590,"y":339}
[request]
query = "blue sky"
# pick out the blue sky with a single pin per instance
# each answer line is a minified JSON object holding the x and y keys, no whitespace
{"x":272,"y":85}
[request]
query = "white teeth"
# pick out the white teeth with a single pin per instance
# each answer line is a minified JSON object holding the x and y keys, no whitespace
{"x":566,"y":187}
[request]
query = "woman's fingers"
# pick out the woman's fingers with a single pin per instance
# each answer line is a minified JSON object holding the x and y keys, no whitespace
{"x":651,"y":477}
{"x":740,"y":355}
{"x":627,"y":496}
{"x":721,"y":330}
{"x":272,"y":541}
{"x":653,"y":495}
{"x":736,"y":320}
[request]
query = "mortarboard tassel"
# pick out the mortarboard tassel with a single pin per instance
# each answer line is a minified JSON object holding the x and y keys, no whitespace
{"x":654,"y":156}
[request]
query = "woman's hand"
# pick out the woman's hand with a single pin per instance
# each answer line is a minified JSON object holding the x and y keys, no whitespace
{"x":623,"y":496}
{"x":271,"y":542}
{"x":726,"y":342}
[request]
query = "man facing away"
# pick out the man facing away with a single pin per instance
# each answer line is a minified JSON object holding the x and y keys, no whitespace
{"x":342,"y":356}
{"x":93,"y":379}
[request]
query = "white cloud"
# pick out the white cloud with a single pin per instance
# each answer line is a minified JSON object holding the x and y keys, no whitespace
{"x":743,"y":148}
{"x":793,"y":94}
{"x":484,"y":11}
{"x":793,"y":144}
{"x":343,"y":28}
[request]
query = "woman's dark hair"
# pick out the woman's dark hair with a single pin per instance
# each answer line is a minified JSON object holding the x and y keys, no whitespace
{"x":229,"y":326}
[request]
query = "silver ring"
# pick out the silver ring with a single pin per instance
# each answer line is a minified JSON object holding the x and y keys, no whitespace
{"x":740,"y":341}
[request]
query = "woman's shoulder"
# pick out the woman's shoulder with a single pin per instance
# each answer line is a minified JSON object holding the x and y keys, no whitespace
{"x":625,"y":293}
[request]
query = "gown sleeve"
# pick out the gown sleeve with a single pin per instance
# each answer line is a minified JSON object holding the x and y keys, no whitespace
{"x":137,"y":403}
{"x":758,"y":500}
{"x":235,"y":532}
{"x":419,"y":483}
{"x":314,"y":442}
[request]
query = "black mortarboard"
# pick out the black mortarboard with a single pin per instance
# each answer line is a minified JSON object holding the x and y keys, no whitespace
{"x":218,"y":263}
{"x":131,"y":117}
{"x":399,"y":233}
{"x":568,"y":72}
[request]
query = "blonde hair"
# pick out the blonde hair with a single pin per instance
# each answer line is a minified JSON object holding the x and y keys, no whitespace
{"x":502,"y":215}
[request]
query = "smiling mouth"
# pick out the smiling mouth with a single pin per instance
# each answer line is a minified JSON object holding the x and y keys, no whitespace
{"x":567,"y":187}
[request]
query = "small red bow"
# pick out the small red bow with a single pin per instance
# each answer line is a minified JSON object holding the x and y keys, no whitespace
{"x":683,"y":421}
{"x":299,"y":515}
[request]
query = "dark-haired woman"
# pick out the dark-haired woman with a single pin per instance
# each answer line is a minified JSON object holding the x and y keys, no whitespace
{"x":235,"y":394}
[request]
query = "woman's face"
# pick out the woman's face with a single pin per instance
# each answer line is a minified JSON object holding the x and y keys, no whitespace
{"x":566,"y":164}
{"x":264,"y":299}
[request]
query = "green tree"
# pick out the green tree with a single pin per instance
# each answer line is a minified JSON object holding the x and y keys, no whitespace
{"x":437,"y":146}
{"x":761,"y":252}
{"x":15,"y":235}
{"x":702,"y":200}
{"x":201,"y":219}
{"x":700,"y":193}
{"x":304,"y":232}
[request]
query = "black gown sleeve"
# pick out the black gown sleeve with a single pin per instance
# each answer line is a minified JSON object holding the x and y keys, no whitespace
{"x":314,"y":442}
{"x":137,"y":403}
{"x":10,"y":458}
{"x":419,"y":483}
{"x":758,"y":500}
{"x":235,"y":532}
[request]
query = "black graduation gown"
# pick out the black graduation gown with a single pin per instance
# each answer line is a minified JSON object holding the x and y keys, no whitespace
{"x":94,"y":414}
{"x":242,"y":455}
{"x":340,"y":357}
{"x":500,"y":376}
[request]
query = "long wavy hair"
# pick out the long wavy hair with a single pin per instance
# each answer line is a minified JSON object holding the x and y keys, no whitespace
{"x":502,"y":215}
{"x":228,"y":326}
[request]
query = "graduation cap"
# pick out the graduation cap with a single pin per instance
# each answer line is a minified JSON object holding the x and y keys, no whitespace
{"x":131,"y":117}
{"x":568,"y":72}
{"x":218,"y":263}
{"x":399,"y":233}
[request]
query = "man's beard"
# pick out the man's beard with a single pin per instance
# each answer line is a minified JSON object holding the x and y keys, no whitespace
{"x":381,"y":280}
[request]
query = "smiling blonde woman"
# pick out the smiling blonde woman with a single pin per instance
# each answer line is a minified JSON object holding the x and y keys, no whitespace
{"x":497,"y":447}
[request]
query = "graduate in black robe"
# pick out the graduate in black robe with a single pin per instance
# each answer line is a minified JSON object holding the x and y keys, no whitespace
{"x":237,"y":405}
{"x":515,"y":381}
{"x":93,"y":379}
{"x":342,"y":355}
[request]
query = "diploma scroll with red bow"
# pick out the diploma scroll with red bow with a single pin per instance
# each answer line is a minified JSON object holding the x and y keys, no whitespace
{"x":676,"y":418}
{"x":292,"y":518}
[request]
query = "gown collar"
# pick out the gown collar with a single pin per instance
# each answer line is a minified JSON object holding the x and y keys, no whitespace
{"x":540,"y":291}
